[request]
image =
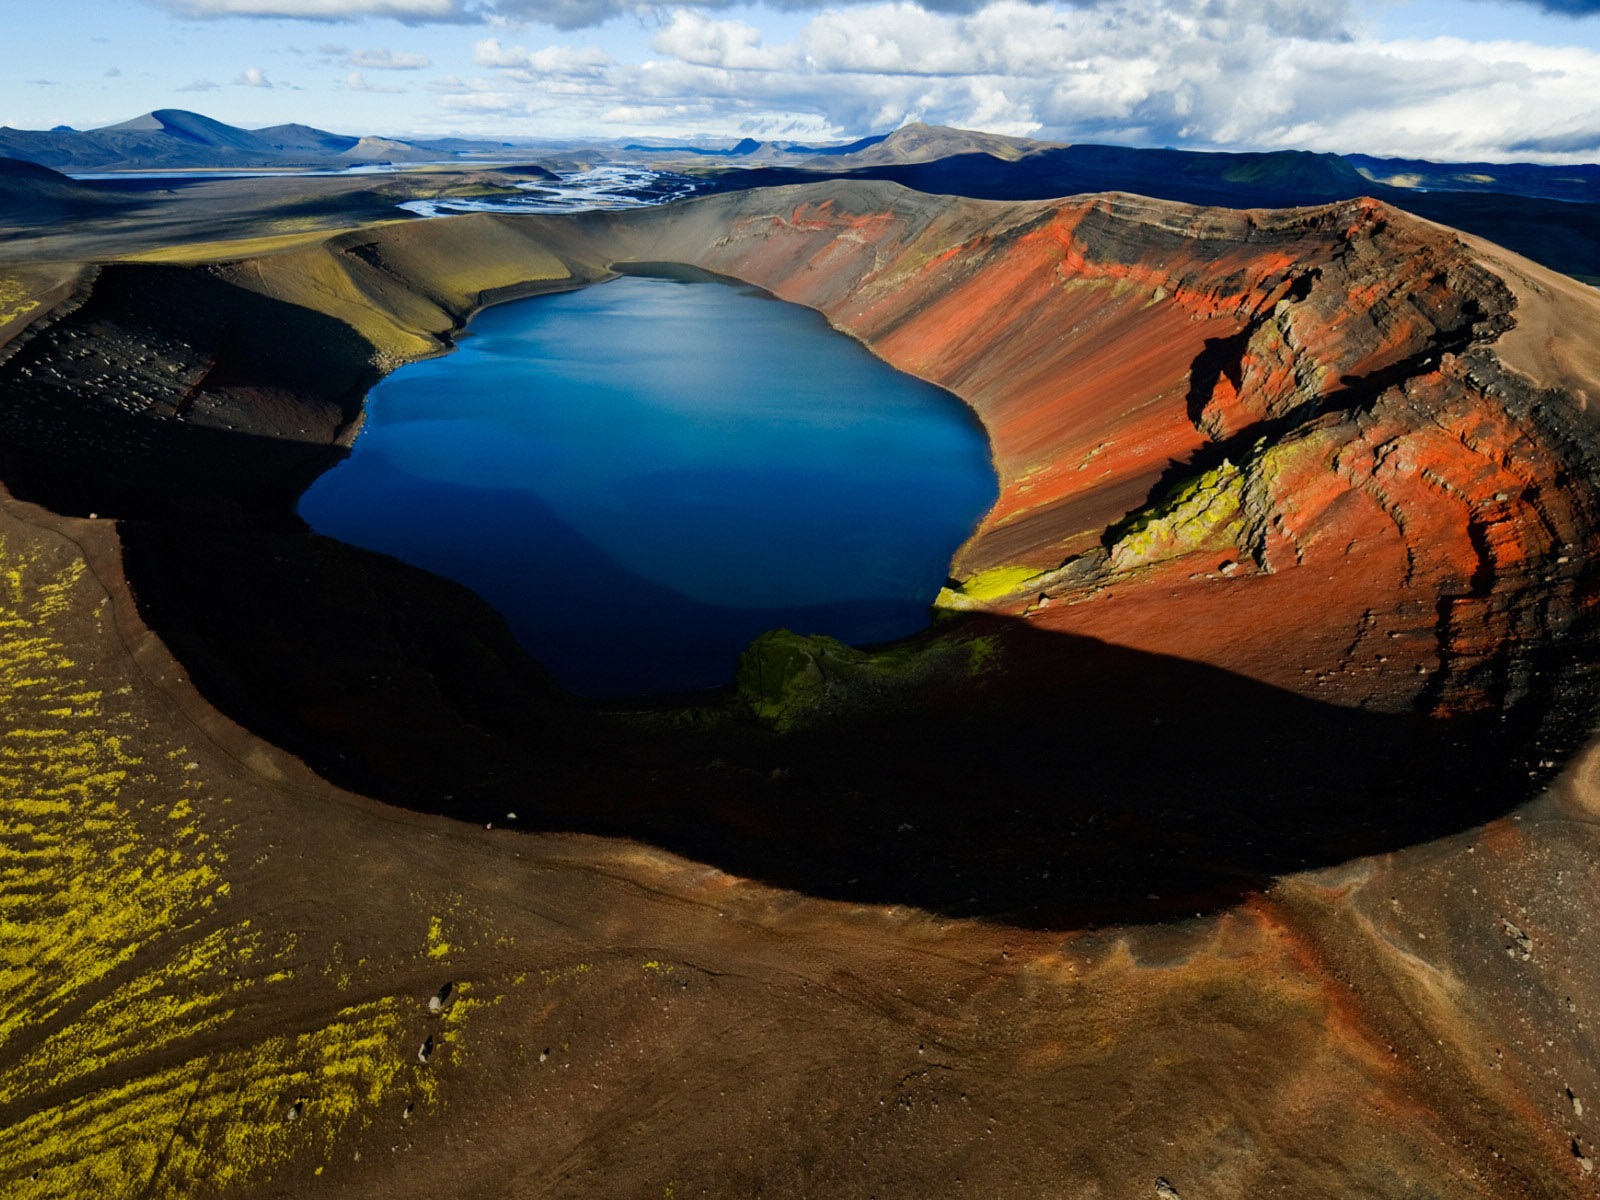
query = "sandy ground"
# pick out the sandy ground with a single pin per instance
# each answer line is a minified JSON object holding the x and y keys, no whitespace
{"x":1557,"y":337}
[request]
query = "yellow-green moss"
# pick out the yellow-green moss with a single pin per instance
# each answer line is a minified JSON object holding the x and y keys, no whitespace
{"x":130,"y":1064}
{"x":217,"y":1119}
{"x":1203,"y":512}
{"x":788,"y":680}
{"x":553,"y":975}
{"x":234,"y":249}
{"x":438,"y":947}
{"x":15,"y":300}
{"x":991,"y":584}
{"x":84,"y":886}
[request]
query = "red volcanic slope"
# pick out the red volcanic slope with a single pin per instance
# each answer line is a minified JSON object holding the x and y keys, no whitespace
{"x":1284,"y":443}
{"x":1337,"y":449}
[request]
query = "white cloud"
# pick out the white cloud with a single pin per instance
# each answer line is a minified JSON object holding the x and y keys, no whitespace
{"x":384,"y":59}
{"x":1240,"y":74}
{"x":490,"y":53}
{"x":1439,"y":98}
{"x":1278,"y":18}
{"x":356,"y":82}
{"x":693,"y":37}
{"x":321,"y":10}
{"x":1308,"y":18}
{"x":501,"y":104}
{"x":571,"y":14}
{"x":635,"y":115}
{"x":547,"y":61}
{"x":253,"y":77}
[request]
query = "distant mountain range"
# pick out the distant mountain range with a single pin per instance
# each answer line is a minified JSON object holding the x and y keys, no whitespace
{"x":748,"y":150}
{"x":918,"y":143}
{"x":928,"y":157}
{"x":934,"y":159}
{"x":910,"y":143}
{"x":173,"y":139}
{"x":1525,"y":179}
{"x":1550,"y":214}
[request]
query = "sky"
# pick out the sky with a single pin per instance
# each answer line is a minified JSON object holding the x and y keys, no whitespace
{"x":1454,"y":80}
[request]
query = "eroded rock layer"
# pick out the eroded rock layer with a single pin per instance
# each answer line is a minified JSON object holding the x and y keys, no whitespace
{"x":1293,"y":428}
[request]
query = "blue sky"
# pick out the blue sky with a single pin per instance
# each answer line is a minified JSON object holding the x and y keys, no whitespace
{"x":1445,"y":79}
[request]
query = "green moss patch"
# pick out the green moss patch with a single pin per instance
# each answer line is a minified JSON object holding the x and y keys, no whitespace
{"x":789,"y":680}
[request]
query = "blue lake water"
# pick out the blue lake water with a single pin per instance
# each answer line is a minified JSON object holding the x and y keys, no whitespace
{"x":644,"y":475}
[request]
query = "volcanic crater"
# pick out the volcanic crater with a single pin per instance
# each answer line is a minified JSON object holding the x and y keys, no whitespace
{"x":1229,"y":832}
{"x":1281,"y":491}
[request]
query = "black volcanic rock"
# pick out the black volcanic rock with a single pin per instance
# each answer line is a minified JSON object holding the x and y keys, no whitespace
{"x":30,"y":194}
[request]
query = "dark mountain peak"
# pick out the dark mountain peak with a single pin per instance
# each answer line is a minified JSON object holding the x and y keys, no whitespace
{"x":918,"y":142}
{"x":31,"y":194}
{"x":852,"y":147}
{"x":189,"y":126}
{"x":304,"y":139}
{"x":1304,"y":169}
{"x":293,"y":129}
{"x":21,"y":168}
